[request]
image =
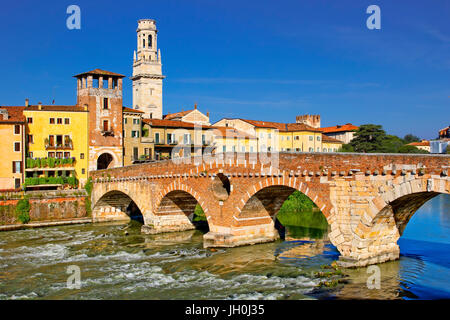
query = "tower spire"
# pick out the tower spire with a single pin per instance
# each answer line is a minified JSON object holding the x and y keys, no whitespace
{"x":147,"y":71}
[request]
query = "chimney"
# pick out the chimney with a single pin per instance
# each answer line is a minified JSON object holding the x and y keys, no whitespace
{"x":195,"y":106}
{"x":40,"y":105}
{"x":207,"y":114}
{"x":85,"y":107}
{"x":27,"y":102}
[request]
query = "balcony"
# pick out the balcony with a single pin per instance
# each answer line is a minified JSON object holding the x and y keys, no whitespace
{"x":59,"y":145}
{"x":108,"y":133}
{"x":46,"y":164}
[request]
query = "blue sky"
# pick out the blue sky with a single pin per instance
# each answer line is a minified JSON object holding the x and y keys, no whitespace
{"x":267,"y":60}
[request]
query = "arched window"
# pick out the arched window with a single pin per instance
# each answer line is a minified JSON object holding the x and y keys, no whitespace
{"x":143,"y":43}
{"x":149,"y":40}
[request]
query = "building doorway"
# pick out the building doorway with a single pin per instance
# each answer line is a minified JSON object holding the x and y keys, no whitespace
{"x":104,"y":161}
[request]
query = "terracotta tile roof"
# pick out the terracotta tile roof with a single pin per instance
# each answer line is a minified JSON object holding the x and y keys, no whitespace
{"x":15,"y":115}
{"x":227,"y":132}
{"x":173,"y":123}
{"x":180,"y":114}
{"x":286,"y":127}
{"x":130,"y":110}
{"x":420,"y":144}
{"x":339,"y":128}
{"x":75,"y":108}
{"x":326,"y":138}
{"x":100,"y":72}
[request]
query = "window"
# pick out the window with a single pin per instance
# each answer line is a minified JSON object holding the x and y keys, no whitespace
{"x":149,"y":40}
{"x":51,"y":154}
{"x":203,"y":139}
{"x":251,"y":149}
{"x":311,"y":138}
{"x":297,"y":138}
{"x":59,"y":155}
{"x":288,"y":138}
{"x":157,"y":137}
{"x":83,"y":171}
{"x":125,"y":121}
{"x":143,"y":43}
{"x":30,"y":120}
{"x":243,"y":149}
{"x":224,"y":148}
{"x":282,"y":138}
{"x":66,"y":120}
{"x":105,"y":125}
{"x":298,"y":149}
{"x":135,"y":121}
{"x":17,"y":146}
{"x":17,"y":166}
{"x":324,"y":149}
{"x":52,"y":120}
{"x":311,"y":149}
{"x":30,"y":138}
{"x":59,"y":121}
{"x":17,"y":129}
{"x":170,"y":138}
{"x":66,"y":155}
{"x":59,"y":140}
{"x":318,"y":138}
{"x":81,"y":155}
{"x":186,"y":138}
{"x":135,"y":134}
{"x":17,"y":183}
{"x":105,"y":103}
{"x":269,"y":149}
{"x":135,"y":153}
{"x":30,"y":154}
{"x":318,"y":149}
{"x":151,"y":91}
{"x":233,"y":148}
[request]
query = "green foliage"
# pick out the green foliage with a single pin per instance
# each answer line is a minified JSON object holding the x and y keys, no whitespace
{"x":368,"y":138}
{"x":299,"y":210}
{"x":410,"y":149}
{"x":199,"y":215}
{"x":22,"y":210}
{"x":411,"y":138}
{"x":372,"y":138}
{"x":346,"y":148}
{"x":390,"y":144}
{"x":145,"y":132}
{"x":87,"y":203}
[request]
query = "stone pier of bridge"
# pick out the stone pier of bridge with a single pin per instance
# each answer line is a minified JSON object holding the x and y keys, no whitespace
{"x":367,"y":199}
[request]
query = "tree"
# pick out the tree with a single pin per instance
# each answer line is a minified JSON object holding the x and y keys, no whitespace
{"x":411,"y":138}
{"x":368,"y":138}
{"x":346,"y":148}
{"x":391,"y":144}
{"x":410,"y":149}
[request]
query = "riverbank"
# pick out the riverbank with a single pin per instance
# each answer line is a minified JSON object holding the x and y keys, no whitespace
{"x":41,"y":224}
{"x":42,"y":207}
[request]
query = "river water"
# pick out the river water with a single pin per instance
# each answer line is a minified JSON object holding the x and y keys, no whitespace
{"x":117,"y":262}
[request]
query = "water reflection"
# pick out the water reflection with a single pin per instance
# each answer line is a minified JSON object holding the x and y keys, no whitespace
{"x":118,"y":262}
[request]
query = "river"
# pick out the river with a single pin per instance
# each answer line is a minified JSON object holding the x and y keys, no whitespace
{"x":117,"y":262}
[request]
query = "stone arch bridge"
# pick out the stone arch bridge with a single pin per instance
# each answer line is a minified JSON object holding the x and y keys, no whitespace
{"x":367,"y":199}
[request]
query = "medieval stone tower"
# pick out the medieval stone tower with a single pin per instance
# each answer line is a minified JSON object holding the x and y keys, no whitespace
{"x":147,"y":72}
{"x":100,"y":92}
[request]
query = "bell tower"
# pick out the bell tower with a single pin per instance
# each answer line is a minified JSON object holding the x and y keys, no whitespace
{"x":147,"y":71}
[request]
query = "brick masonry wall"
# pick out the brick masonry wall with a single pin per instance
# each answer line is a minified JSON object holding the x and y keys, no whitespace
{"x":355,"y":192}
{"x":51,"y":206}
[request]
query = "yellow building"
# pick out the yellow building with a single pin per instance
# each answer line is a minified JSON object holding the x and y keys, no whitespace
{"x":59,"y":135}
{"x":12,"y":133}
{"x":330,"y":144}
{"x":233,"y":140}
{"x":278,"y":137}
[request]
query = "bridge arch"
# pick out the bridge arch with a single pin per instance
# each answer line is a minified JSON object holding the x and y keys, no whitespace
{"x":116,"y":205}
{"x":176,"y":205}
{"x":387,"y":216}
